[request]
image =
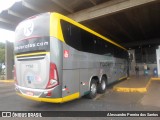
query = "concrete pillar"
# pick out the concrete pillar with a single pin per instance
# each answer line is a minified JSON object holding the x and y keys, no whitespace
{"x":107,"y":8}
{"x":9,"y":60}
{"x":132,"y":63}
{"x":158,"y":60}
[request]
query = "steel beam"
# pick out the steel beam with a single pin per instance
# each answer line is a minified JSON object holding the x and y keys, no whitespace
{"x":65,"y":7}
{"x":141,"y":43}
{"x":106,"y":8}
{"x":7,"y":21}
{"x":11,"y":12}
{"x":93,"y":2}
{"x":32,"y":7}
{"x":9,"y":60}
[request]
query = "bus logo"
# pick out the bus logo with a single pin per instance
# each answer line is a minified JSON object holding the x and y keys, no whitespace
{"x":28,"y":28}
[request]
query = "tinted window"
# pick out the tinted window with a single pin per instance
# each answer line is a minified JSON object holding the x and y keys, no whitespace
{"x":87,"y":42}
{"x":102,"y":47}
{"x":71,"y":35}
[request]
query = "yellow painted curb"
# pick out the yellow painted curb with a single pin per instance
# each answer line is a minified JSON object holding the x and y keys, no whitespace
{"x":141,"y":90}
{"x":122,"y":78}
{"x":121,"y":89}
{"x":7,"y":81}
{"x":155,"y":78}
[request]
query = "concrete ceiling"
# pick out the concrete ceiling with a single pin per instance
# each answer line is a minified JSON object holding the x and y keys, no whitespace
{"x":135,"y":26}
{"x":128,"y":22}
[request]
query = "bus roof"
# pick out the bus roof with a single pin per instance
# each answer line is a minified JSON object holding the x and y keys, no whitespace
{"x":60,"y":16}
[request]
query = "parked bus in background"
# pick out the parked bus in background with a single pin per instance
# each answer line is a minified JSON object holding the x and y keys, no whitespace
{"x":58,"y":59}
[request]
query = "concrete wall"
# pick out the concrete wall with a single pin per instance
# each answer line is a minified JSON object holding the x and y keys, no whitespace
{"x":150,"y":71}
{"x":9,"y":60}
{"x":141,"y":68}
{"x":132,"y":63}
{"x":158,"y":60}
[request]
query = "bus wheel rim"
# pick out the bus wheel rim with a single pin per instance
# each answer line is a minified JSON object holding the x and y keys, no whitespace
{"x":93,"y":88}
{"x":103,"y":84}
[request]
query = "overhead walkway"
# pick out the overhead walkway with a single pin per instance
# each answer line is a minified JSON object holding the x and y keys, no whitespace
{"x":135,"y":84}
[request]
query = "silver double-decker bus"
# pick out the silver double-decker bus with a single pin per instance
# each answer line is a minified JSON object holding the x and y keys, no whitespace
{"x":58,"y":60}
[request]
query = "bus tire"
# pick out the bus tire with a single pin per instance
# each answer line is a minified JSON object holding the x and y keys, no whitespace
{"x":93,"y":89}
{"x":102,"y":86}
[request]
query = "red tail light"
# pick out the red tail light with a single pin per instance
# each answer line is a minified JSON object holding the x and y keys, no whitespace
{"x":15,"y":76}
{"x":53,"y":78}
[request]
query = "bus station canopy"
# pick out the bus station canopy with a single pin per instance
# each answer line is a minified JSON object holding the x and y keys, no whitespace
{"x":128,"y":22}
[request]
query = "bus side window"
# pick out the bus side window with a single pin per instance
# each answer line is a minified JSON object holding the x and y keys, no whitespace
{"x":75,"y":37}
{"x":100,"y":46}
{"x":119,"y":53}
{"x":88,"y":41}
{"x":65,"y":30}
{"x":108,"y":49}
{"x":71,"y":34}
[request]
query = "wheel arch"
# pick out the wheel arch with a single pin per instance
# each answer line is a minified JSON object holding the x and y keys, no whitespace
{"x":95,"y":78}
{"x":104,"y":75}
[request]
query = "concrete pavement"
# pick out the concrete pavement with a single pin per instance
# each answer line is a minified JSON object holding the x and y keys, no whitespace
{"x":109,"y":101}
{"x":135,"y":84}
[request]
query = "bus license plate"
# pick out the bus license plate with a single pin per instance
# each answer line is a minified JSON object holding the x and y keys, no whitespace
{"x":30,"y":79}
{"x":30,"y":93}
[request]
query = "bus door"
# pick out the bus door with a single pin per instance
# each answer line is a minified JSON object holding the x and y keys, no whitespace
{"x":70,"y":70}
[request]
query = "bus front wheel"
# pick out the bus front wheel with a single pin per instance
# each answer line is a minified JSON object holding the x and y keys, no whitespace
{"x":93,"y":89}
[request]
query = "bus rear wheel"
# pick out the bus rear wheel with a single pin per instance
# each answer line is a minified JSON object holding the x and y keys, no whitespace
{"x":93,"y":89}
{"x":102,"y":86}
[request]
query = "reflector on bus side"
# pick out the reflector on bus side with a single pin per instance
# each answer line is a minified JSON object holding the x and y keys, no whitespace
{"x":66,"y":53}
